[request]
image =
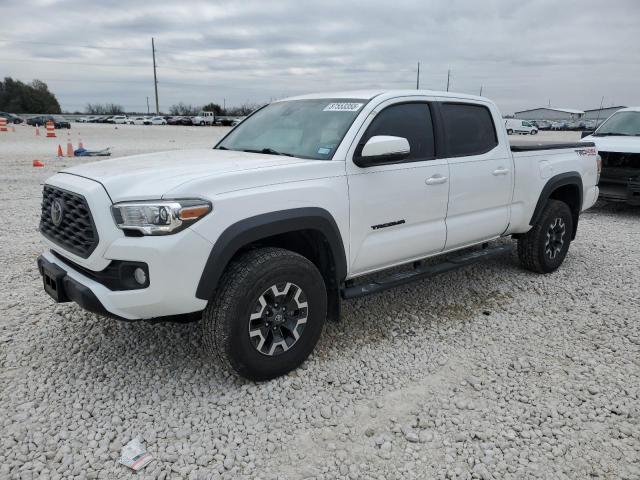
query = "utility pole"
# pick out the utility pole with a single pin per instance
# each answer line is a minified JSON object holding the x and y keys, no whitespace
{"x":448,"y":78}
{"x":147,"y":104}
{"x":224,"y":105}
{"x":418,"y":78}
{"x":155,"y":76}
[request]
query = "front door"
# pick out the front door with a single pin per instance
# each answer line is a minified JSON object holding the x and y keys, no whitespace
{"x":398,"y":210}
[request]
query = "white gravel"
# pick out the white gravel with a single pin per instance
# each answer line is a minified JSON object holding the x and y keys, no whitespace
{"x":489,"y":372}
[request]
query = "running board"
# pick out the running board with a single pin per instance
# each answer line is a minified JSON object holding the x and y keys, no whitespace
{"x":423,"y":271}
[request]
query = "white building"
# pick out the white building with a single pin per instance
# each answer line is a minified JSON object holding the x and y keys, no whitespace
{"x":602,"y":114}
{"x":550,"y":113}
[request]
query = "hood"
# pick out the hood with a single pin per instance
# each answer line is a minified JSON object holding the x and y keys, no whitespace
{"x":615,"y":144}
{"x":152,"y":175}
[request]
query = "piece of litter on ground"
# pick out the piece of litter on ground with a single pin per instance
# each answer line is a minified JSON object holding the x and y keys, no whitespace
{"x":134,"y":455}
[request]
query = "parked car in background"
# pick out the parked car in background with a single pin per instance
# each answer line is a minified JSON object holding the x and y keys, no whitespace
{"x":176,"y":120}
{"x":204,"y":118}
{"x":41,"y":120}
{"x":261,"y":236}
{"x":36,"y":121}
{"x":513,"y":125}
{"x":543,"y":124}
{"x":136,"y":120}
{"x":186,"y":121}
{"x":119,"y":119}
{"x":618,"y":144}
{"x":11,"y":118}
{"x":158,"y":121}
{"x":558,"y":125}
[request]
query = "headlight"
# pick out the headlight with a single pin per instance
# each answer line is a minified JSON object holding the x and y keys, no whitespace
{"x":162,"y":217}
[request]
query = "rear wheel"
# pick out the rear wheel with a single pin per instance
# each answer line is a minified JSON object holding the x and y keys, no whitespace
{"x":509,"y":132}
{"x":268,"y":314}
{"x":543,"y":248}
{"x":534,"y":132}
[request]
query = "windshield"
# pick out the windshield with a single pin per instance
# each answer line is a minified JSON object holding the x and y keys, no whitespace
{"x":300,"y":128}
{"x":622,"y":124}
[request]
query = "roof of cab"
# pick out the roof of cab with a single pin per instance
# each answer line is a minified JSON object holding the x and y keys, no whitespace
{"x":369,"y":94}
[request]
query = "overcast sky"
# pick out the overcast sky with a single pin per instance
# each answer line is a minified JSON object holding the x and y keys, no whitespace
{"x":523,"y":54}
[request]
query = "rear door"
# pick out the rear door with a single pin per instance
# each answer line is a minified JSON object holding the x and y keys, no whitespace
{"x":397,"y":210}
{"x":481,"y":173}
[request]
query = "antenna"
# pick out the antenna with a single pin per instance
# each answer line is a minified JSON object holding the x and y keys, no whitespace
{"x":599,"y":110}
{"x":418,"y":78}
{"x":481,"y":89}
{"x":448,"y":78}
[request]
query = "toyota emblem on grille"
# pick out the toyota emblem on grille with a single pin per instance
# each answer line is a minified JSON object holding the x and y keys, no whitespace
{"x":56,"y":212}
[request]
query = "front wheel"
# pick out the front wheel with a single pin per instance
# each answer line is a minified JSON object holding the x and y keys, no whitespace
{"x":509,"y":132}
{"x":267,"y":315}
{"x":534,"y":132}
{"x":543,"y":248}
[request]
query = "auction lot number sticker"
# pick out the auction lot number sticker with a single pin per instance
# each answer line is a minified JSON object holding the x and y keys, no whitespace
{"x":342,"y":107}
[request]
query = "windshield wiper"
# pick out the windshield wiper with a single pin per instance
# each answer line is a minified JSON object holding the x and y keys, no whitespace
{"x":612,"y":134}
{"x":268,"y":151}
{"x":222,"y":148}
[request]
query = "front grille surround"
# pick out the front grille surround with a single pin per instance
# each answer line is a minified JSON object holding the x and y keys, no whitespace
{"x":77,"y":231}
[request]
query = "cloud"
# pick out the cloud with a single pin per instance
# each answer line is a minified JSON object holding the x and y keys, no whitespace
{"x":523,"y":54}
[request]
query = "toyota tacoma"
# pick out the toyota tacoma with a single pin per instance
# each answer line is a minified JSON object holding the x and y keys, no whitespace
{"x":308,"y":201}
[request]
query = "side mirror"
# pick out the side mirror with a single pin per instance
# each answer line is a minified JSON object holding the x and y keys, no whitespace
{"x":383,"y":149}
{"x":586,"y":133}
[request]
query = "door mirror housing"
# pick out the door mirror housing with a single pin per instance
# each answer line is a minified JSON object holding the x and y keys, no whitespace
{"x":586,"y":133}
{"x":382,"y":149}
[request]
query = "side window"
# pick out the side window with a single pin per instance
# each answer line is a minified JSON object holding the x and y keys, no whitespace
{"x":469,"y":129}
{"x":526,"y":124}
{"x":408,"y":120}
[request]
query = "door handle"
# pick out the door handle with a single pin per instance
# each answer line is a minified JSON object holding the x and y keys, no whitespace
{"x":435,"y":180}
{"x":501,"y":171}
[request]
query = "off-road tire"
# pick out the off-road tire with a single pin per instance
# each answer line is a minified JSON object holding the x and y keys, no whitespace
{"x":225,"y":321}
{"x":534,"y":250}
{"x":509,"y":132}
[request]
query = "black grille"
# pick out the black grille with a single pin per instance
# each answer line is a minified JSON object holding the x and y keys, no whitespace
{"x":76,"y":231}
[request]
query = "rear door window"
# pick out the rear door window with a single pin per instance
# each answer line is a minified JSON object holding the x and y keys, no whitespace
{"x":468,"y":129}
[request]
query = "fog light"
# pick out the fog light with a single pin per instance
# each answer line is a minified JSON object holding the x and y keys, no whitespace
{"x":140,"y":276}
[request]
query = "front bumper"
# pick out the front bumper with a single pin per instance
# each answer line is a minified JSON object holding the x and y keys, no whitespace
{"x":64,"y":288}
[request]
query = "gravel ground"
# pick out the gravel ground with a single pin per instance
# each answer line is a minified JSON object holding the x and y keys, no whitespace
{"x":487,"y":372}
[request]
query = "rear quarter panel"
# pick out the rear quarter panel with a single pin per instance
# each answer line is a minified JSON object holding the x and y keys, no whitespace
{"x":534,"y":169}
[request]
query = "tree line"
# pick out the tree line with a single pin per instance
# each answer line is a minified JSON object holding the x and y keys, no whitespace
{"x":34,"y":97}
{"x":178,"y":109}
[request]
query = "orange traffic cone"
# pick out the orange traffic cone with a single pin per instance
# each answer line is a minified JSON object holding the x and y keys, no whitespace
{"x":37,"y":131}
{"x":69,"y":146}
{"x":60,"y":152}
{"x":3,"y":124}
{"x":38,"y":163}
{"x":51,"y":129}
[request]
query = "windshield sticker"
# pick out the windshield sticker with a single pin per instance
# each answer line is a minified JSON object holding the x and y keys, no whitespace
{"x":342,"y":107}
{"x":324,"y":150}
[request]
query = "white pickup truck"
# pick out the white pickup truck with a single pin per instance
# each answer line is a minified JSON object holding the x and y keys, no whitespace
{"x":263,"y":235}
{"x":618,"y":143}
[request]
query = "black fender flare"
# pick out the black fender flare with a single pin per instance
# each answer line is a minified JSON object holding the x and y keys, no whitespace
{"x":555,"y":182}
{"x":262,"y":226}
